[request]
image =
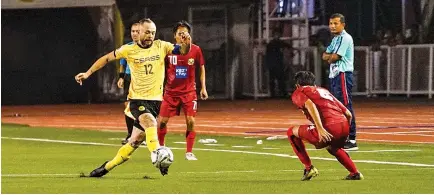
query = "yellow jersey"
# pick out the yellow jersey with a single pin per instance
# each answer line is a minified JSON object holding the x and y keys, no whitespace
{"x":147,"y":69}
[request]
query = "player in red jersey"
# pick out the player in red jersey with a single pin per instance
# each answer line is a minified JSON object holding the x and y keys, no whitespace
{"x":331,"y":121}
{"x":180,"y":89}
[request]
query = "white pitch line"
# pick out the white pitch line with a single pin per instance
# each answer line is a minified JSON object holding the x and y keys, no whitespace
{"x":213,"y":144}
{"x":38,"y":175}
{"x":229,"y":151}
{"x":251,"y":137}
{"x":119,"y":138}
{"x":393,"y":133}
{"x":209,"y":172}
{"x":395,"y":141}
{"x":375,"y":151}
{"x":242,"y":146}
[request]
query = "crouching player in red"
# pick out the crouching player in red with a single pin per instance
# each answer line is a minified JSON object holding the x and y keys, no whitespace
{"x":180,"y":89}
{"x":331,"y":121}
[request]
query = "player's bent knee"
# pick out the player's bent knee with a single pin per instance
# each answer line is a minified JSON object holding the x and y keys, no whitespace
{"x":190,"y":120}
{"x":163,"y":121}
{"x":293,"y":131}
{"x":147,"y":120}
{"x":289,"y":132}
{"x":190,"y":123}
{"x":163,"y":125}
{"x":138,"y":126}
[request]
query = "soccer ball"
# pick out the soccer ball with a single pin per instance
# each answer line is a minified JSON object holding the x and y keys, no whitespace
{"x":162,"y":157}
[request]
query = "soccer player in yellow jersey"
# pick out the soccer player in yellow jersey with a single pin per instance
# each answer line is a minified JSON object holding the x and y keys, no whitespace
{"x":146,"y":61}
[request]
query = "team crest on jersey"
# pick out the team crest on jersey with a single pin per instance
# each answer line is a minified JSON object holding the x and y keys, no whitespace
{"x":190,"y":61}
{"x":141,"y":108}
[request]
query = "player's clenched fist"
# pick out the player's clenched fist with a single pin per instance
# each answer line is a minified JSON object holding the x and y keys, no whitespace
{"x":80,"y":77}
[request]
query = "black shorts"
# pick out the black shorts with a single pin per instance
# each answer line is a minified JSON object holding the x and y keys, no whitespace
{"x":127,"y":81}
{"x":139,"y":107}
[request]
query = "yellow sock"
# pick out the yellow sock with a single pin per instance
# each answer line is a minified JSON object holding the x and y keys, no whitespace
{"x":123,"y":155}
{"x":152,"y":138}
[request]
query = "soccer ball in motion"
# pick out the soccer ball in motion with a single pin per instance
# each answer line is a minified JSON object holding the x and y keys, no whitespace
{"x":162,"y":158}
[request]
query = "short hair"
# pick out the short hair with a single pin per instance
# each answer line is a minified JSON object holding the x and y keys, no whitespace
{"x":304,"y":78}
{"x":145,"y":20}
{"x":135,"y":24}
{"x":182,"y":23}
{"x":338,"y":15}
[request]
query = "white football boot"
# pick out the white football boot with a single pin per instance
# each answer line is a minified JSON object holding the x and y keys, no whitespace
{"x":190,"y":156}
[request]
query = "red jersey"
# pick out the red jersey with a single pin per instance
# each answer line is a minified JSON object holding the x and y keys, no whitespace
{"x":330,"y":109}
{"x":180,"y":74}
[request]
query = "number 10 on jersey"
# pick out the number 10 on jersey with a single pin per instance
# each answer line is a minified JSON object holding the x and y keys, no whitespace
{"x":173,"y":59}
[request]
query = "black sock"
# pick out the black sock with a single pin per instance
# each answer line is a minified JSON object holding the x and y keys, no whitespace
{"x":130,"y":122}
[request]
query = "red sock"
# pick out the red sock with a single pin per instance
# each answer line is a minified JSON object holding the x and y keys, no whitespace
{"x":344,"y":159}
{"x":189,"y":138}
{"x":161,"y":134}
{"x":299,"y":149}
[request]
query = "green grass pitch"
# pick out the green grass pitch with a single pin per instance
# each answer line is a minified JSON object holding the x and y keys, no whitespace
{"x":49,"y":160}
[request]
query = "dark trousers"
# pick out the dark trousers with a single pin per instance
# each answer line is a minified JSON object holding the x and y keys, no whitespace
{"x":341,"y":87}
{"x":279,"y":75}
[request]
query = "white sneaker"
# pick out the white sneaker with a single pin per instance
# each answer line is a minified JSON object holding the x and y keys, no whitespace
{"x":190,"y":156}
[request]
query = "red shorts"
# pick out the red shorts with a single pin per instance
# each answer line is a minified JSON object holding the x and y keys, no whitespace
{"x":171,"y":105}
{"x":339,"y":131}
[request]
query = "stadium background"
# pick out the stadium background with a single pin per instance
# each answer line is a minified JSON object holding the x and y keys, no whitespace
{"x":45,"y":43}
{"x":43,"y":48}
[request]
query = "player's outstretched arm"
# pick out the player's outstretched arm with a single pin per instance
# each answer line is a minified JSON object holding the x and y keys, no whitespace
{"x":314,"y":113}
{"x":203,"y":92}
{"x":101,"y":62}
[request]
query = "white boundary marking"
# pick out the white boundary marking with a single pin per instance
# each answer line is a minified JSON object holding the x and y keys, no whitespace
{"x":208,"y":172}
{"x":395,"y":133}
{"x":374,"y":151}
{"x":252,"y":134}
{"x":213,"y":144}
{"x":394,"y":141}
{"x":118,"y":138}
{"x":242,"y":146}
{"x":229,"y":151}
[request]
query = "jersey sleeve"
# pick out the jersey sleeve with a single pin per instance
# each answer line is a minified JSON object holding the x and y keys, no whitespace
{"x":343,"y":45}
{"x":167,"y":47}
{"x":299,"y":98}
{"x":121,"y":52}
{"x":123,"y":62}
{"x":329,"y":48}
{"x":200,"y":57}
